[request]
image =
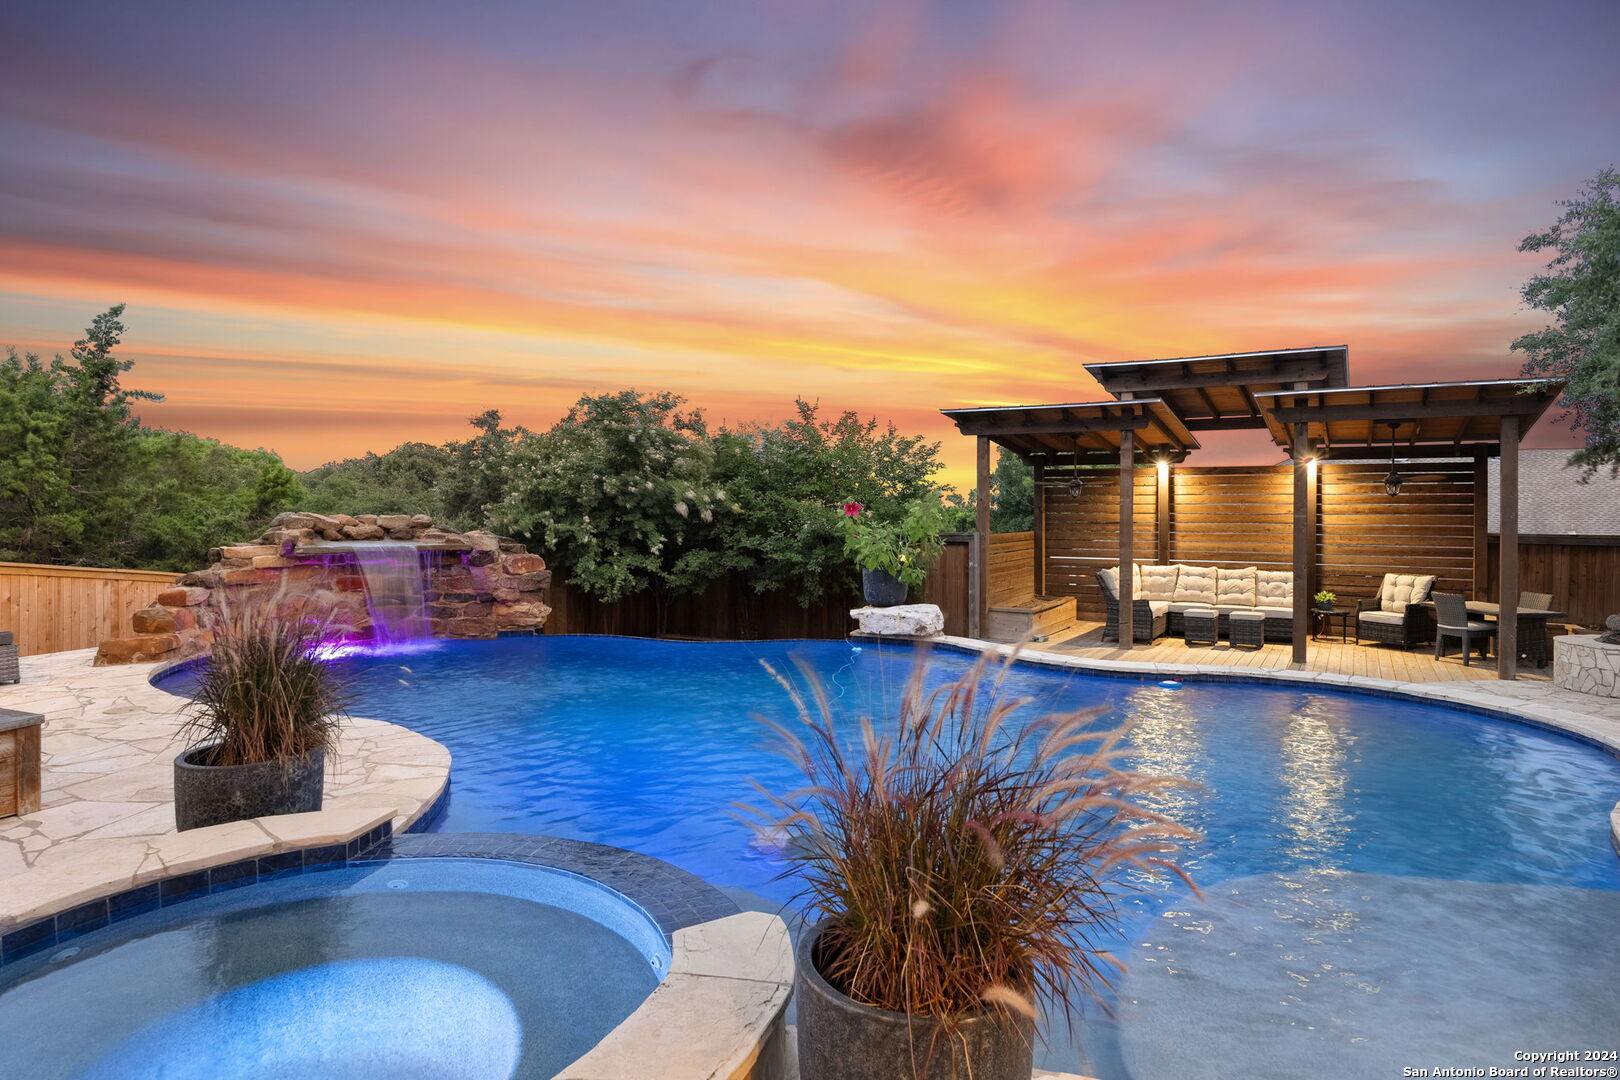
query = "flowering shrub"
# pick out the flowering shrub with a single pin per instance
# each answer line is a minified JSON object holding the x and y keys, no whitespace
{"x":905,"y":548}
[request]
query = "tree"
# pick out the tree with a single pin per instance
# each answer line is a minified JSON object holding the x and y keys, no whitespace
{"x":1012,"y":498}
{"x":621,"y":495}
{"x":788,"y":480}
{"x":1582,"y":290}
{"x":66,"y":431}
{"x":405,"y":480}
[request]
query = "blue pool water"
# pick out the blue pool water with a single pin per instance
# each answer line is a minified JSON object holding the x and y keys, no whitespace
{"x":428,"y":969}
{"x":1377,"y":857}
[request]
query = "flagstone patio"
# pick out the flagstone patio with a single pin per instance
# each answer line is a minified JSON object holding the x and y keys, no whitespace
{"x":106,"y":818}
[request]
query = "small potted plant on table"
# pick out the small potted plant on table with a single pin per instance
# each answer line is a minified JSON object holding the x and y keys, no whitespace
{"x":961,"y":865}
{"x":1325,"y":600}
{"x":893,"y":555}
{"x":266,"y":713}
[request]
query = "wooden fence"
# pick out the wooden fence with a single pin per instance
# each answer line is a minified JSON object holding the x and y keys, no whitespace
{"x":1581,"y":572}
{"x":53,"y":608}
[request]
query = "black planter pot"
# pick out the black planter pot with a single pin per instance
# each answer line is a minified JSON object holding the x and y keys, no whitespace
{"x":215,"y":794}
{"x":882,"y":589}
{"x":840,"y":1039}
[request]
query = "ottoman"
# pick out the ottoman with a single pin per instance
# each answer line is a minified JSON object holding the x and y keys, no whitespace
{"x":1200,"y":626}
{"x":1246,"y":628}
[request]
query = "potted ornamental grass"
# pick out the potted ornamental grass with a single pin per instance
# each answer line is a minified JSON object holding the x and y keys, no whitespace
{"x":266,"y":712}
{"x":961,"y":866}
{"x":893,"y":552}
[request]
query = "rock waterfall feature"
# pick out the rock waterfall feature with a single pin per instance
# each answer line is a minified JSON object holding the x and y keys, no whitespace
{"x":471,"y":585}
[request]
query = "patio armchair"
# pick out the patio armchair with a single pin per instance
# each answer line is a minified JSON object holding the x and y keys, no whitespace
{"x":1397,"y":615}
{"x":1453,"y":621}
{"x":1149,"y":618}
{"x":1542,"y":600}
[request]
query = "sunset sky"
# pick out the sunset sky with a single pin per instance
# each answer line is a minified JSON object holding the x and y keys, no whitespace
{"x":343,"y":225}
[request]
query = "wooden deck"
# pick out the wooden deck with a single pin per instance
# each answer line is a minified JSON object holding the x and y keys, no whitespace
{"x":1329,"y":655}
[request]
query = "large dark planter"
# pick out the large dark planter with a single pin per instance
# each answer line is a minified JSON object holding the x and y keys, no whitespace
{"x":882,"y":589}
{"x":213,"y":794}
{"x":840,"y":1039}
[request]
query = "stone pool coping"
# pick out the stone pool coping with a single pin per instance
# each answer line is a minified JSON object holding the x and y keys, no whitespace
{"x":106,"y":821}
{"x":1584,"y":717}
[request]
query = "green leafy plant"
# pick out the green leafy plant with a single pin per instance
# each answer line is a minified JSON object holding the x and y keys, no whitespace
{"x":265,"y":694}
{"x":906,"y":547}
{"x":966,"y":861}
{"x":1325,"y":598}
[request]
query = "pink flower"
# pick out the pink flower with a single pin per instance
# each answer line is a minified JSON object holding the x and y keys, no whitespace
{"x":852,"y":508}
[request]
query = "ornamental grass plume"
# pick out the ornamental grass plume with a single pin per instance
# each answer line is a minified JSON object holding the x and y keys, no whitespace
{"x":265,"y":693}
{"x":966,"y":863}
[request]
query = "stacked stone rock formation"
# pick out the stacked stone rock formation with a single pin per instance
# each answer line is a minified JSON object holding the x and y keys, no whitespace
{"x":477,"y":584}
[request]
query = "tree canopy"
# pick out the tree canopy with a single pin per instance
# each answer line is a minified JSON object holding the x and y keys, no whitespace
{"x":627,"y":492}
{"x":82,"y":482}
{"x":1582,"y":290}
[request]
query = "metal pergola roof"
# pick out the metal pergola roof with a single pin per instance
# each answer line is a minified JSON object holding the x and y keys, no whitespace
{"x":1080,"y":432}
{"x":1422,"y":420}
{"x":1216,"y":393}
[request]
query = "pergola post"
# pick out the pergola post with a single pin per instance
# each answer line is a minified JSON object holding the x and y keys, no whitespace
{"x":981,"y":583}
{"x":1304,"y":542}
{"x":1039,"y":527}
{"x":1161,"y":510}
{"x":1507,"y":622}
{"x":1127,"y":524}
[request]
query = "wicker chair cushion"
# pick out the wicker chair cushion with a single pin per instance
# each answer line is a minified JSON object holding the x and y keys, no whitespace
{"x":1248,"y":615}
{"x":1389,"y":618}
{"x":1181,"y":607}
{"x":1275,"y":612}
{"x":1235,"y":588}
{"x":1399,"y":590}
{"x":1159,"y":607}
{"x":1274,"y":588}
{"x":1195,"y":585}
{"x":1203,"y":614}
{"x":1159,"y":582}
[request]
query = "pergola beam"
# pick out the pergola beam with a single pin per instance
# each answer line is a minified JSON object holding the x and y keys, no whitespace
{"x":1150,"y":381}
{"x":1519,"y":405}
{"x":991,"y":428}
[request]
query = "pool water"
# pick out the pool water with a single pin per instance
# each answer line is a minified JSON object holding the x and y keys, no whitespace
{"x":1363,"y":857}
{"x":427,"y":969}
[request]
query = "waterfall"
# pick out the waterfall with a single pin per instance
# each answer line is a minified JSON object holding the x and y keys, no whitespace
{"x":392,"y":570}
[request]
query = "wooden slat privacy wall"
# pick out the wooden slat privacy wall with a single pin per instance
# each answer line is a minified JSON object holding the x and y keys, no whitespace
{"x":54,"y":608}
{"x":1082,"y":534}
{"x":1012,"y":568}
{"x":1236,"y":516}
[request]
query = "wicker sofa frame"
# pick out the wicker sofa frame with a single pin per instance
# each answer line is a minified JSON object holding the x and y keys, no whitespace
{"x":1145,"y":626}
{"x":1415,"y":628}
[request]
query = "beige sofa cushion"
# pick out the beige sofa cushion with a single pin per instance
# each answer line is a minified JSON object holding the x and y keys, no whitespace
{"x":1235,"y":588}
{"x":1195,"y":585}
{"x":1398,"y":590}
{"x":1158,"y":582}
{"x":1110,"y":578}
{"x":1274,"y":588}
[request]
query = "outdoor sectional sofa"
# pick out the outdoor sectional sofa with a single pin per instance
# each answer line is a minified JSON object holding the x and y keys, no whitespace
{"x":1164,"y":591}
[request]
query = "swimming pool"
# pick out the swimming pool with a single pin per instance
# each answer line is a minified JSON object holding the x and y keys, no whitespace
{"x":439,"y":969}
{"x":1373,"y":862}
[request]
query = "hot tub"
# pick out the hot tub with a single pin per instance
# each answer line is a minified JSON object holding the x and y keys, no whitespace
{"x":411,"y":969}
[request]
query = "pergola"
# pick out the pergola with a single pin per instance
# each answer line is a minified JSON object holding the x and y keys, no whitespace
{"x":1302,"y":398}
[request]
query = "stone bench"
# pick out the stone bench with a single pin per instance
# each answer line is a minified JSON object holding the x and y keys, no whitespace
{"x":19,"y":762}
